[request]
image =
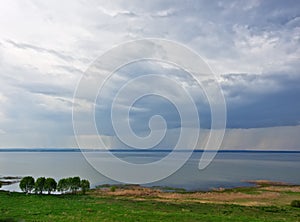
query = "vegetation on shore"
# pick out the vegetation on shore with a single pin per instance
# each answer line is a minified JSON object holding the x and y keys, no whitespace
{"x":136,"y":203}
{"x":7,"y":180}
{"x":66,"y":207}
{"x":295,"y":203}
{"x":64,"y":185}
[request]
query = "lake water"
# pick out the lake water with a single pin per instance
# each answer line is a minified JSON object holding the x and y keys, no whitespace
{"x":228,"y":169}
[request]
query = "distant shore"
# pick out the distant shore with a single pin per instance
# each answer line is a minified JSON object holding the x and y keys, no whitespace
{"x":8,"y":180}
{"x":142,"y":150}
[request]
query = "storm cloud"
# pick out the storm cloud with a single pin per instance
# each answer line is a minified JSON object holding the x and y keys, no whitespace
{"x":46,"y":47}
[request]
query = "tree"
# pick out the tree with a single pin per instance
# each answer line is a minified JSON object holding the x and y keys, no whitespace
{"x":27,"y":184}
{"x":69,"y":183}
{"x":85,"y":186}
{"x":40,"y":185}
{"x":50,"y":185}
{"x":75,"y":184}
{"x":0,"y":184}
{"x":63,"y":185}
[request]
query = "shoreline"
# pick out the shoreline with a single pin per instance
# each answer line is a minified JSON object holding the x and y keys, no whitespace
{"x":258,"y":193}
{"x":96,"y":205}
{"x":9,"y":180}
{"x":262,"y":193}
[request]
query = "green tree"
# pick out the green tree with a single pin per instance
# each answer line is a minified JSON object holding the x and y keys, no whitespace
{"x":75,"y":184}
{"x":85,"y":186}
{"x":50,"y":185}
{"x":113,"y":188}
{"x":69,"y":183}
{"x":63,"y":185}
{"x":40,"y":185}
{"x":27,"y":184}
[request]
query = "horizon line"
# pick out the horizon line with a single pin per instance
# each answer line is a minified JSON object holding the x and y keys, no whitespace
{"x":138,"y":150}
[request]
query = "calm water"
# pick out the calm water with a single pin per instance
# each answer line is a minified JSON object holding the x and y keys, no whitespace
{"x":228,"y":169}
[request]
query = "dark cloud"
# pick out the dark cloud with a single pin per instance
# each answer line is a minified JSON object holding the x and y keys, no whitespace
{"x":253,"y":101}
{"x":262,"y":100}
{"x":37,"y":81}
{"x":126,"y":14}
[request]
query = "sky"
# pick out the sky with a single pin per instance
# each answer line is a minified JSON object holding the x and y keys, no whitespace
{"x":252,"y":46}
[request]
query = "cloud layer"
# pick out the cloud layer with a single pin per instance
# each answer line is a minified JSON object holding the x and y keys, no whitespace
{"x":45,"y":47}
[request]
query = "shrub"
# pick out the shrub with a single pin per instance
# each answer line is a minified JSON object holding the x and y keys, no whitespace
{"x":113,"y":189}
{"x":295,"y":203}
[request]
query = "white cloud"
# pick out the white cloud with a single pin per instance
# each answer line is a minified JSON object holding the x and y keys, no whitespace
{"x":46,"y":46}
{"x":3,"y":99}
{"x":114,"y":13}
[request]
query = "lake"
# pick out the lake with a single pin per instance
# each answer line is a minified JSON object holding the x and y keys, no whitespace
{"x":228,"y":169}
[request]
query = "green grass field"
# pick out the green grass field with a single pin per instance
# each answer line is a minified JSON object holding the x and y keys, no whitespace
{"x":21,"y":207}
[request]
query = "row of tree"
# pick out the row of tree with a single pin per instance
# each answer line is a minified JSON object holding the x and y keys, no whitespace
{"x":64,"y":185}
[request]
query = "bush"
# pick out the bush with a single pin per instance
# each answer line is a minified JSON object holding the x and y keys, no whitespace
{"x":113,"y":189}
{"x":295,"y":203}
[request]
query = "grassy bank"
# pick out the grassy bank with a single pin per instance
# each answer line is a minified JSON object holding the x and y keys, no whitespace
{"x":99,"y":206}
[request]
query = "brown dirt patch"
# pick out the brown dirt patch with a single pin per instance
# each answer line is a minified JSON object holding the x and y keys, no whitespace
{"x":264,"y":195}
{"x":282,"y":189}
